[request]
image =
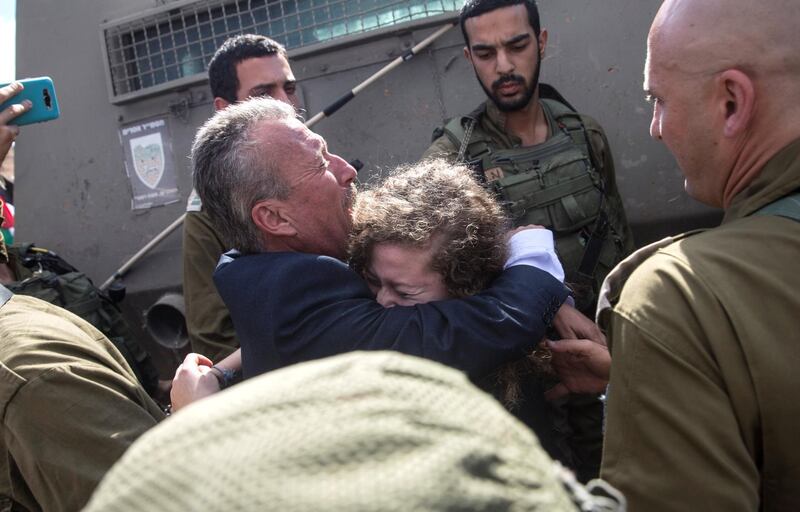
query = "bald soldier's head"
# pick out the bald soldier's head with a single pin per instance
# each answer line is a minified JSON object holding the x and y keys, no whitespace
{"x":724,"y":77}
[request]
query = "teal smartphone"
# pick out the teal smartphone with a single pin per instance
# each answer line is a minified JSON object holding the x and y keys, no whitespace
{"x":42,"y":94}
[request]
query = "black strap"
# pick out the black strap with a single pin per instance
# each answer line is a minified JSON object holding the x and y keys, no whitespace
{"x":547,"y":91}
{"x":594,"y":245}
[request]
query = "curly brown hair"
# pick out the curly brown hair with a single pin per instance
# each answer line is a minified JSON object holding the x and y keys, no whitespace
{"x":440,"y":203}
{"x":436,"y":203}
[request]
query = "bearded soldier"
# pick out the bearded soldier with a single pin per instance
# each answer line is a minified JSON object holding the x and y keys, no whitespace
{"x":548,"y":164}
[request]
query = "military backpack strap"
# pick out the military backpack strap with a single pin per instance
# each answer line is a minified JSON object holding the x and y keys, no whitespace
{"x":473,"y":145}
{"x":459,"y":132}
{"x":594,"y":246}
{"x":787,"y":206}
{"x":52,"y":279}
{"x":38,"y":259}
{"x":570,"y":121}
{"x":548,"y":92}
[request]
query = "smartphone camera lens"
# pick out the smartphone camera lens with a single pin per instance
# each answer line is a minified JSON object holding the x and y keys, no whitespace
{"x":48,"y":102}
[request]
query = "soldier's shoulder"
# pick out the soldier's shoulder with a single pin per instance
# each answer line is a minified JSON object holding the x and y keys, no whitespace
{"x":32,"y":326}
{"x":591,"y":124}
{"x":441,"y":147}
{"x":646,"y":274}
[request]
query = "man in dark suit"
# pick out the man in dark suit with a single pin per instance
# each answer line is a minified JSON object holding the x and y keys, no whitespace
{"x":245,"y":66}
{"x":275,"y":193}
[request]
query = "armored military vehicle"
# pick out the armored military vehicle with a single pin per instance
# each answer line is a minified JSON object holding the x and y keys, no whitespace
{"x":112,"y":172}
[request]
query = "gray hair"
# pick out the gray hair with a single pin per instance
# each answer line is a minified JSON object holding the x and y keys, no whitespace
{"x":232,"y":173}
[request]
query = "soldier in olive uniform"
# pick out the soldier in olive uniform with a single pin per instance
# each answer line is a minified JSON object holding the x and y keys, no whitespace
{"x":548,"y":164}
{"x":704,"y":333}
{"x":69,"y":402}
{"x":703,"y":326}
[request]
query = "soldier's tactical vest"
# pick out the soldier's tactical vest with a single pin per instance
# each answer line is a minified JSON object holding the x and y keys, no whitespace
{"x":555,"y":184}
{"x":45,"y":275}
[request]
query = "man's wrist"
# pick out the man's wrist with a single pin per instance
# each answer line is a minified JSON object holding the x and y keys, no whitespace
{"x":226,"y":377}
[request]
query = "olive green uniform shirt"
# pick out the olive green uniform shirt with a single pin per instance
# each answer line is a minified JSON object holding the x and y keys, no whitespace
{"x":70,"y":407}
{"x":207,"y":318}
{"x":493,"y":124}
{"x":703,"y":412}
{"x":584,"y":412}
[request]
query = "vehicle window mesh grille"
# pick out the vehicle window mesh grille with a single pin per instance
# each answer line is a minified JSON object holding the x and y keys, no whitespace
{"x":178,"y":43}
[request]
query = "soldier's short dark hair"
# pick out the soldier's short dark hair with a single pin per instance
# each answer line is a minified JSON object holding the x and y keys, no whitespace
{"x":222,"y":76}
{"x":473,"y":8}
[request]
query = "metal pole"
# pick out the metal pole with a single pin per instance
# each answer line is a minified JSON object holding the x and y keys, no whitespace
{"x":408,"y":55}
{"x":336,"y":105}
{"x":144,"y":250}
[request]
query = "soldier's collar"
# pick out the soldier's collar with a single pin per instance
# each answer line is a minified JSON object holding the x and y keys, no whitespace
{"x":779,"y":177}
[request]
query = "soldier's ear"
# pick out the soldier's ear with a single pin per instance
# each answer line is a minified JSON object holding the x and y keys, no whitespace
{"x":542,"y":42}
{"x":467,"y":54}
{"x":272,"y":218}
{"x":735,"y":101}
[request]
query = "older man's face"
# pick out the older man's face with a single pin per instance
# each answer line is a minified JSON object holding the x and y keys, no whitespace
{"x":321,"y":191}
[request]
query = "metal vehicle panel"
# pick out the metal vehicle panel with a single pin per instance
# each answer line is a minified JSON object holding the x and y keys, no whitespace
{"x":73,"y":194}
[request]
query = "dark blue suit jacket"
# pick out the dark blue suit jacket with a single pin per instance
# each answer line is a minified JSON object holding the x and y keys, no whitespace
{"x":293,"y":307}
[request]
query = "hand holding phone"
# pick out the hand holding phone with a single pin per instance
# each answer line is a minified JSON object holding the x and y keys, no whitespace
{"x":9,"y":132}
{"x":41,"y":95}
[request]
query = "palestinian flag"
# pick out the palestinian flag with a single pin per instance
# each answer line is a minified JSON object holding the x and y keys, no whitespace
{"x":8,"y":223}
